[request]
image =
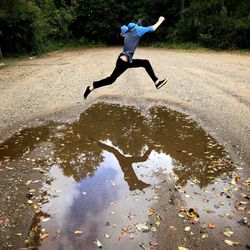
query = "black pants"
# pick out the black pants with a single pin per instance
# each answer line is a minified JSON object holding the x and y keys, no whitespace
{"x":121,"y":66}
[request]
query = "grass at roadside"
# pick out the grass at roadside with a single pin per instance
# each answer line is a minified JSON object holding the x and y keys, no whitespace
{"x":180,"y":46}
{"x":196,"y":46}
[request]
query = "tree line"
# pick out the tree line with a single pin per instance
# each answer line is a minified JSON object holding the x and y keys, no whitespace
{"x":32,"y":26}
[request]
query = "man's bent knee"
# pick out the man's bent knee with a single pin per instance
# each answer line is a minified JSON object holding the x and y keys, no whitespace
{"x":146,"y":62}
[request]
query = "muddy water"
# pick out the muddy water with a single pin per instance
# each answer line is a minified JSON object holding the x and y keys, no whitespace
{"x":100,"y":173}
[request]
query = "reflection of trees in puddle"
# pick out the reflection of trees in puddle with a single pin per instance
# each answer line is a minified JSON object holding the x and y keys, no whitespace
{"x":195,"y":155}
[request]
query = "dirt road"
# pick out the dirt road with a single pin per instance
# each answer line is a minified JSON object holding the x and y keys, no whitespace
{"x":212,"y":88}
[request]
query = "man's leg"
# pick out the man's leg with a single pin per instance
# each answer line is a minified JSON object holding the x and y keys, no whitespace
{"x":120,"y":67}
{"x":136,"y":63}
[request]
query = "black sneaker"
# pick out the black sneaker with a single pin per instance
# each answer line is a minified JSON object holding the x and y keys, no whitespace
{"x":86,"y":92}
{"x":161,"y":83}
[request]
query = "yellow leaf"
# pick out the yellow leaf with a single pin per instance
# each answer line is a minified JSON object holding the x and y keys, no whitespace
{"x":43,"y":236}
{"x":150,"y":212}
{"x":78,"y":232}
{"x":228,"y":233}
{"x":192,"y":214}
{"x":204,"y":236}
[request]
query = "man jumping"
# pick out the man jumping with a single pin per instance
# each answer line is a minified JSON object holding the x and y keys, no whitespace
{"x":132,"y":35}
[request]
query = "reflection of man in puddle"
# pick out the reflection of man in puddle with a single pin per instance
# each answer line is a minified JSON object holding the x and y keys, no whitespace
{"x":126,"y":166}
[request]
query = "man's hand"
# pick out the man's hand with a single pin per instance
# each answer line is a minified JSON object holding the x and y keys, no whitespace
{"x":159,"y":22}
{"x":161,"y":19}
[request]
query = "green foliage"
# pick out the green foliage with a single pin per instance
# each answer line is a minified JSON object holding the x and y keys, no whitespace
{"x":215,"y":24}
{"x":28,"y":26}
{"x":96,"y":20}
{"x":35,"y":26}
{"x":20,"y":26}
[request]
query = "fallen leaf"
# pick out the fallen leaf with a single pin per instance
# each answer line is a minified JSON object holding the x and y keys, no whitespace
{"x":240,"y":208}
{"x":35,"y":206}
{"x":78,"y":232}
{"x":232,"y":243}
{"x":142,"y":246}
{"x":243,"y":203}
{"x":157,"y":223}
{"x":158,"y":217}
{"x":187,"y":229}
{"x":156,"y":197}
{"x":208,"y":210}
{"x":150,"y":212}
{"x":228,"y":233}
{"x":98,"y":243}
{"x":181,"y":215}
{"x":45,"y":219}
{"x":192,"y":213}
{"x":182,"y":248}
{"x":212,"y":226}
{"x":233,"y":182}
{"x":237,"y":178}
{"x":123,"y":234}
{"x":28,"y":182}
{"x":153,"y":243}
{"x":204,"y":236}
{"x":43,"y":235}
{"x":142,"y":227}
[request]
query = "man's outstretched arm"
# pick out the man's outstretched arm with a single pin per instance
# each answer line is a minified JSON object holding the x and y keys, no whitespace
{"x":159,"y":22}
{"x":143,"y":30}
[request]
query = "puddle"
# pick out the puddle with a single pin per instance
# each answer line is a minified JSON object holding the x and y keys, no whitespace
{"x":100,"y":174}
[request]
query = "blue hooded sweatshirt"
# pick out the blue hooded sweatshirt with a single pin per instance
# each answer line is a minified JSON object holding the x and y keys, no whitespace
{"x":132,"y":35}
